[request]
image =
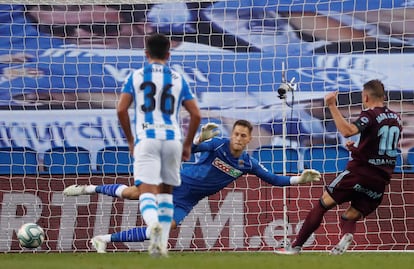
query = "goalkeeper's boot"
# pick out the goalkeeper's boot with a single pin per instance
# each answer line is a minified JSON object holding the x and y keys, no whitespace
{"x":98,"y":244}
{"x":289,"y":250}
{"x":75,"y":190}
{"x":155,"y":248}
{"x":343,"y":245}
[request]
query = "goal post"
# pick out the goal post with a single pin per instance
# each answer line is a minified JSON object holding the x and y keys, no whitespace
{"x":62,"y":68}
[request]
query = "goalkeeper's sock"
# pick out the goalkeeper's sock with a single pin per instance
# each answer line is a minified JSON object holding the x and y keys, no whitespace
{"x":312,"y":222}
{"x":137,"y":234}
{"x":348,"y":226}
{"x":114,"y":190}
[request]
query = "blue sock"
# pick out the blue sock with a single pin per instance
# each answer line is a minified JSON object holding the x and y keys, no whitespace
{"x":132,"y":235}
{"x":108,"y":189}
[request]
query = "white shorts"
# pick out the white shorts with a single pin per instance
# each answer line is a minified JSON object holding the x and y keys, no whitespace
{"x":158,"y":161}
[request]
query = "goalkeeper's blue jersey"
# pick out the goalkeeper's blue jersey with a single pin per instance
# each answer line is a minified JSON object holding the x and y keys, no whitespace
{"x":215,"y":168}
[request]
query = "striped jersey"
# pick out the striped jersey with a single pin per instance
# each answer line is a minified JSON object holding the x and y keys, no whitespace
{"x":158,"y":93}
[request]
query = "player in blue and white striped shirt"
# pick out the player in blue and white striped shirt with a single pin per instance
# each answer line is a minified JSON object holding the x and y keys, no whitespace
{"x":157,"y":93}
{"x":222,"y":161}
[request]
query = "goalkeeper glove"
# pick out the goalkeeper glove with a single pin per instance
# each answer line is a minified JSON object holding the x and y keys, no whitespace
{"x":308,"y":175}
{"x":207,"y":132}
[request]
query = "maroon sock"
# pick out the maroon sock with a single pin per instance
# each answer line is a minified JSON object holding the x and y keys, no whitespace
{"x":347,"y":225}
{"x":312,"y":222}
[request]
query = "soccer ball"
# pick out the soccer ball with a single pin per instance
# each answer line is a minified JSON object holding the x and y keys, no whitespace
{"x":30,"y":235}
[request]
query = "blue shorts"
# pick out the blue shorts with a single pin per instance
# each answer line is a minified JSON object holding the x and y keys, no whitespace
{"x":184,"y":200}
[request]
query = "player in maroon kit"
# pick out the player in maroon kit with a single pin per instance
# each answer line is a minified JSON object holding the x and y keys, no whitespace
{"x":368,"y":172}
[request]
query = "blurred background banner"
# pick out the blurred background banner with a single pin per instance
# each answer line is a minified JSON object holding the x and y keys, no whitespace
{"x":75,"y":58}
{"x":62,"y":68}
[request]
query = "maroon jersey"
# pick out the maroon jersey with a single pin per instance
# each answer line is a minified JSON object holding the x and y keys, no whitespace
{"x":377,"y":150}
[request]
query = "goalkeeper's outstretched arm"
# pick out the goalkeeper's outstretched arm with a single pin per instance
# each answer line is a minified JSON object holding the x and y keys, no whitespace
{"x":208,"y":131}
{"x":307,"y":176}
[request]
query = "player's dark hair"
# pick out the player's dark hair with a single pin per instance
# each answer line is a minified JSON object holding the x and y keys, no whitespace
{"x":158,"y":46}
{"x":375,"y":88}
{"x":244,"y":123}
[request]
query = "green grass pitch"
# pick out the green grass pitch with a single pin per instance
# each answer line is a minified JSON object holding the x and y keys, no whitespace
{"x":206,"y":260}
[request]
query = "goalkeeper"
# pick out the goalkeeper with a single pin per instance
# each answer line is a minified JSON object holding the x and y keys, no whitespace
{"x":222,"y":161}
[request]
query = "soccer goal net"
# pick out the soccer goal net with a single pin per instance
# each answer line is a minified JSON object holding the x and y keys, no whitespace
{"x":62,"y":67}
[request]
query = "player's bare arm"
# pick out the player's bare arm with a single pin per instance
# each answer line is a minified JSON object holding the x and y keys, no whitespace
{"x":124,"y":103}
{"x":344,"y":127}
{"x":195,"y":118}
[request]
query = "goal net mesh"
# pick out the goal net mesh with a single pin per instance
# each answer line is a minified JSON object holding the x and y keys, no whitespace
{"x":62,"y":67}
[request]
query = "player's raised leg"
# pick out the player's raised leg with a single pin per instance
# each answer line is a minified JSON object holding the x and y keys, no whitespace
{"x":76,"y":190}
{"x":114,"y":190}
